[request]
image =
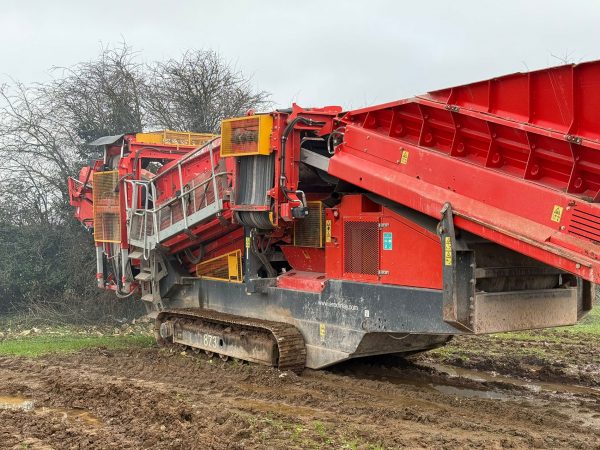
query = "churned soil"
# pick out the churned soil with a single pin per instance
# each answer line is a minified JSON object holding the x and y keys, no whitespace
{"x":164,"y":399}
{"x":545,"y":355}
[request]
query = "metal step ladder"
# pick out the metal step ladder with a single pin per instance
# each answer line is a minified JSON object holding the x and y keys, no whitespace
{"x":152,"y":270}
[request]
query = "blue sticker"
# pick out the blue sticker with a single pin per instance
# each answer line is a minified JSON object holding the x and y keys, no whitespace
{"x":387,"y":241}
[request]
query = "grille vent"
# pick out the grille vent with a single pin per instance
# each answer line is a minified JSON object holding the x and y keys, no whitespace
{"x":309,"y":231}
{"x":361,"y":247}
{"x":585,"y":225}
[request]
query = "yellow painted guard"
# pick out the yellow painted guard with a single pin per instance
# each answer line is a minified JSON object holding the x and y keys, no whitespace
{"x":245,"y":136}
{"x":106,"y":206}
{"x":169,"y":137}
{"x":227,"y":267}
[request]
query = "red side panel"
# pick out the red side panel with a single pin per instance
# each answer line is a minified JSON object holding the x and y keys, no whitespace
{"x":518,"y":157}
{"x":302,"y":281}
{"x":80,"y":196}
{"x":410,"y":255}
{"x":305,"y":259}
{"x":370,"y":243}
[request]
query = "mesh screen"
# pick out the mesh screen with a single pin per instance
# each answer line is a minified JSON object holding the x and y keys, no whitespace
{"x":361,"y":247}
{"x":240,"y":136}
{"x":204,"y":194}
{"x":196,"y":199}
{"x":184,"y":138}
{"x":107,"y":214}
{"x":309,"y":231}
{"x":170,"y":137}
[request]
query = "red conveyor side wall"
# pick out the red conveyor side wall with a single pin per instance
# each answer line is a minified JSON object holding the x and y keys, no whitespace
{"x":517,"y":157}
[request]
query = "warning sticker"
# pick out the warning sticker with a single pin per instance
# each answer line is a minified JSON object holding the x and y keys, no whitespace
{"x":556,"y":213}
{"x":448,"y":251}
{"x":387,"y":241}
{"x":328,"y":231}
{"x":404,"y":157}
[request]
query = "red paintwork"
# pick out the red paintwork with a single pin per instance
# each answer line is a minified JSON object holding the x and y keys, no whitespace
{"x":80,"y":196}
{"x":292,"y":156}
{"x":503,"y":152}
{"x":130,"y":165}
{"x":415,"y":257}
{"x":306,"y":259}
{"x":302,"y":281}
{"x":225,"y":244}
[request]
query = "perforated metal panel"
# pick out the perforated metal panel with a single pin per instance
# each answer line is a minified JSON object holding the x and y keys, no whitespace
{"x":361,"y":247}
{"x":309,"y":231}
{"x":107,"y":213}
{"x":137,"y":226}
{"x":227,"y":267}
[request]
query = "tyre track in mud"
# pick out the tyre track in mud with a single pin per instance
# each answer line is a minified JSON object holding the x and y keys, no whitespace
{"x":159,"y":399}
{"x":550,"y":356}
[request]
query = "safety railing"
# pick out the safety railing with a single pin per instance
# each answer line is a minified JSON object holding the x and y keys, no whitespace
{"x":197,"y":200}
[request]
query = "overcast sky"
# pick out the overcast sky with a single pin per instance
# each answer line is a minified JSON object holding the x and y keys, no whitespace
{"x":352,"y":53}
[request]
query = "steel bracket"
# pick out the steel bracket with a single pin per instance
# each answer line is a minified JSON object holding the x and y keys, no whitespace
{"x":458,"y":275}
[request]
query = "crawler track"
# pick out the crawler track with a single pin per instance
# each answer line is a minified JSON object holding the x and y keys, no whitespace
{"x":291,"y":352}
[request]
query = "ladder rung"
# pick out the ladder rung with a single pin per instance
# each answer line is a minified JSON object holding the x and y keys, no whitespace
{"x":148,"y":298}
{"x":137,"y":254}
{"x":143,"y":276}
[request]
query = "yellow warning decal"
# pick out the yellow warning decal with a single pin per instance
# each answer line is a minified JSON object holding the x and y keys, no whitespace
{"x":448,"y":251}
{"x":404,"y":158}
{"x":328,"y":231}
{"x":322,"y":330}
{"x":556,"y":213}
{"x":247,"y":241}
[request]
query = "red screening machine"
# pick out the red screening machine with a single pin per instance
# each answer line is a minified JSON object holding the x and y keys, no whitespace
{"x":307,"y":236}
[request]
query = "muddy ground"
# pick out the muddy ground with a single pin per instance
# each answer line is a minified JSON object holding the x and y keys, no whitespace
{"x":545,"y":355}
{"x":160,"y":399}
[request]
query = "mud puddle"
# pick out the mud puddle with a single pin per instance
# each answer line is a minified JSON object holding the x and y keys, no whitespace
{"x":461,"y":382}
{"x":364,"y":404}
{"x":425,"y":381}
{"x":490,"y":377}
{"x":402,"y":372}
{"x":15,"y":402}
{"x":468,"y":393}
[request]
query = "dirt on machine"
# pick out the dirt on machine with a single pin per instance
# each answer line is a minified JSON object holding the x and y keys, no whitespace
{"x":304,"y":237}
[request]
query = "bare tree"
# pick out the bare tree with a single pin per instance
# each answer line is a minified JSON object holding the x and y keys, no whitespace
{"x":195,"y":92}
{"x":103,"y":96}
{"x":38,"y":149}
{"x":44,"y":129}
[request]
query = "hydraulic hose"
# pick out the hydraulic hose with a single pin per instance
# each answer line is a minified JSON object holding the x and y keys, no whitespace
{"x":288,"y":129}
